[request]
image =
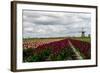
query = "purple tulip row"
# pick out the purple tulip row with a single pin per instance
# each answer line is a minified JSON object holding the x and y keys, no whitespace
{"x":84,"y":47}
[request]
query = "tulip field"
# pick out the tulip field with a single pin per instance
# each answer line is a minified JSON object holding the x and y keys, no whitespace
{"x":55,"y":49}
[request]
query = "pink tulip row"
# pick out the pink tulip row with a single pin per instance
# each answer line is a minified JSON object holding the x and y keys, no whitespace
{"x":31,"y":44}
{"x":35,"y":43}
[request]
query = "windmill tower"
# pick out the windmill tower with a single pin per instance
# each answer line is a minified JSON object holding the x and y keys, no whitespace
{"x":82,"y":32}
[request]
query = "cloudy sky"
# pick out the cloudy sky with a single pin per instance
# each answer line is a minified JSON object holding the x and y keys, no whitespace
{"x":42,"y":24}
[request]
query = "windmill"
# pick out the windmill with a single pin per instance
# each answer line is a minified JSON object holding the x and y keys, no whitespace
{"x":82,"y":32}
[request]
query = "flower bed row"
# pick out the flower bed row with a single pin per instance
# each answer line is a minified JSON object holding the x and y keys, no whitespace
{"x":58,"y":50}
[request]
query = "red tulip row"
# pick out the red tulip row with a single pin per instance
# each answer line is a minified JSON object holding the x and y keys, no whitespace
{"x":55,"y":47}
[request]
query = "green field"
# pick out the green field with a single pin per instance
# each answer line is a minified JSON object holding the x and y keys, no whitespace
{"x":85,"y":39}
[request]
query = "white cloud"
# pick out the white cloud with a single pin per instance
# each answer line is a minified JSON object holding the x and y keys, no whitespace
{"x":55,"y":24}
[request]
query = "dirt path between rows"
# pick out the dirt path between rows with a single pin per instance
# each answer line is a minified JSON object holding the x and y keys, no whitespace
{"x":78,"y":56}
